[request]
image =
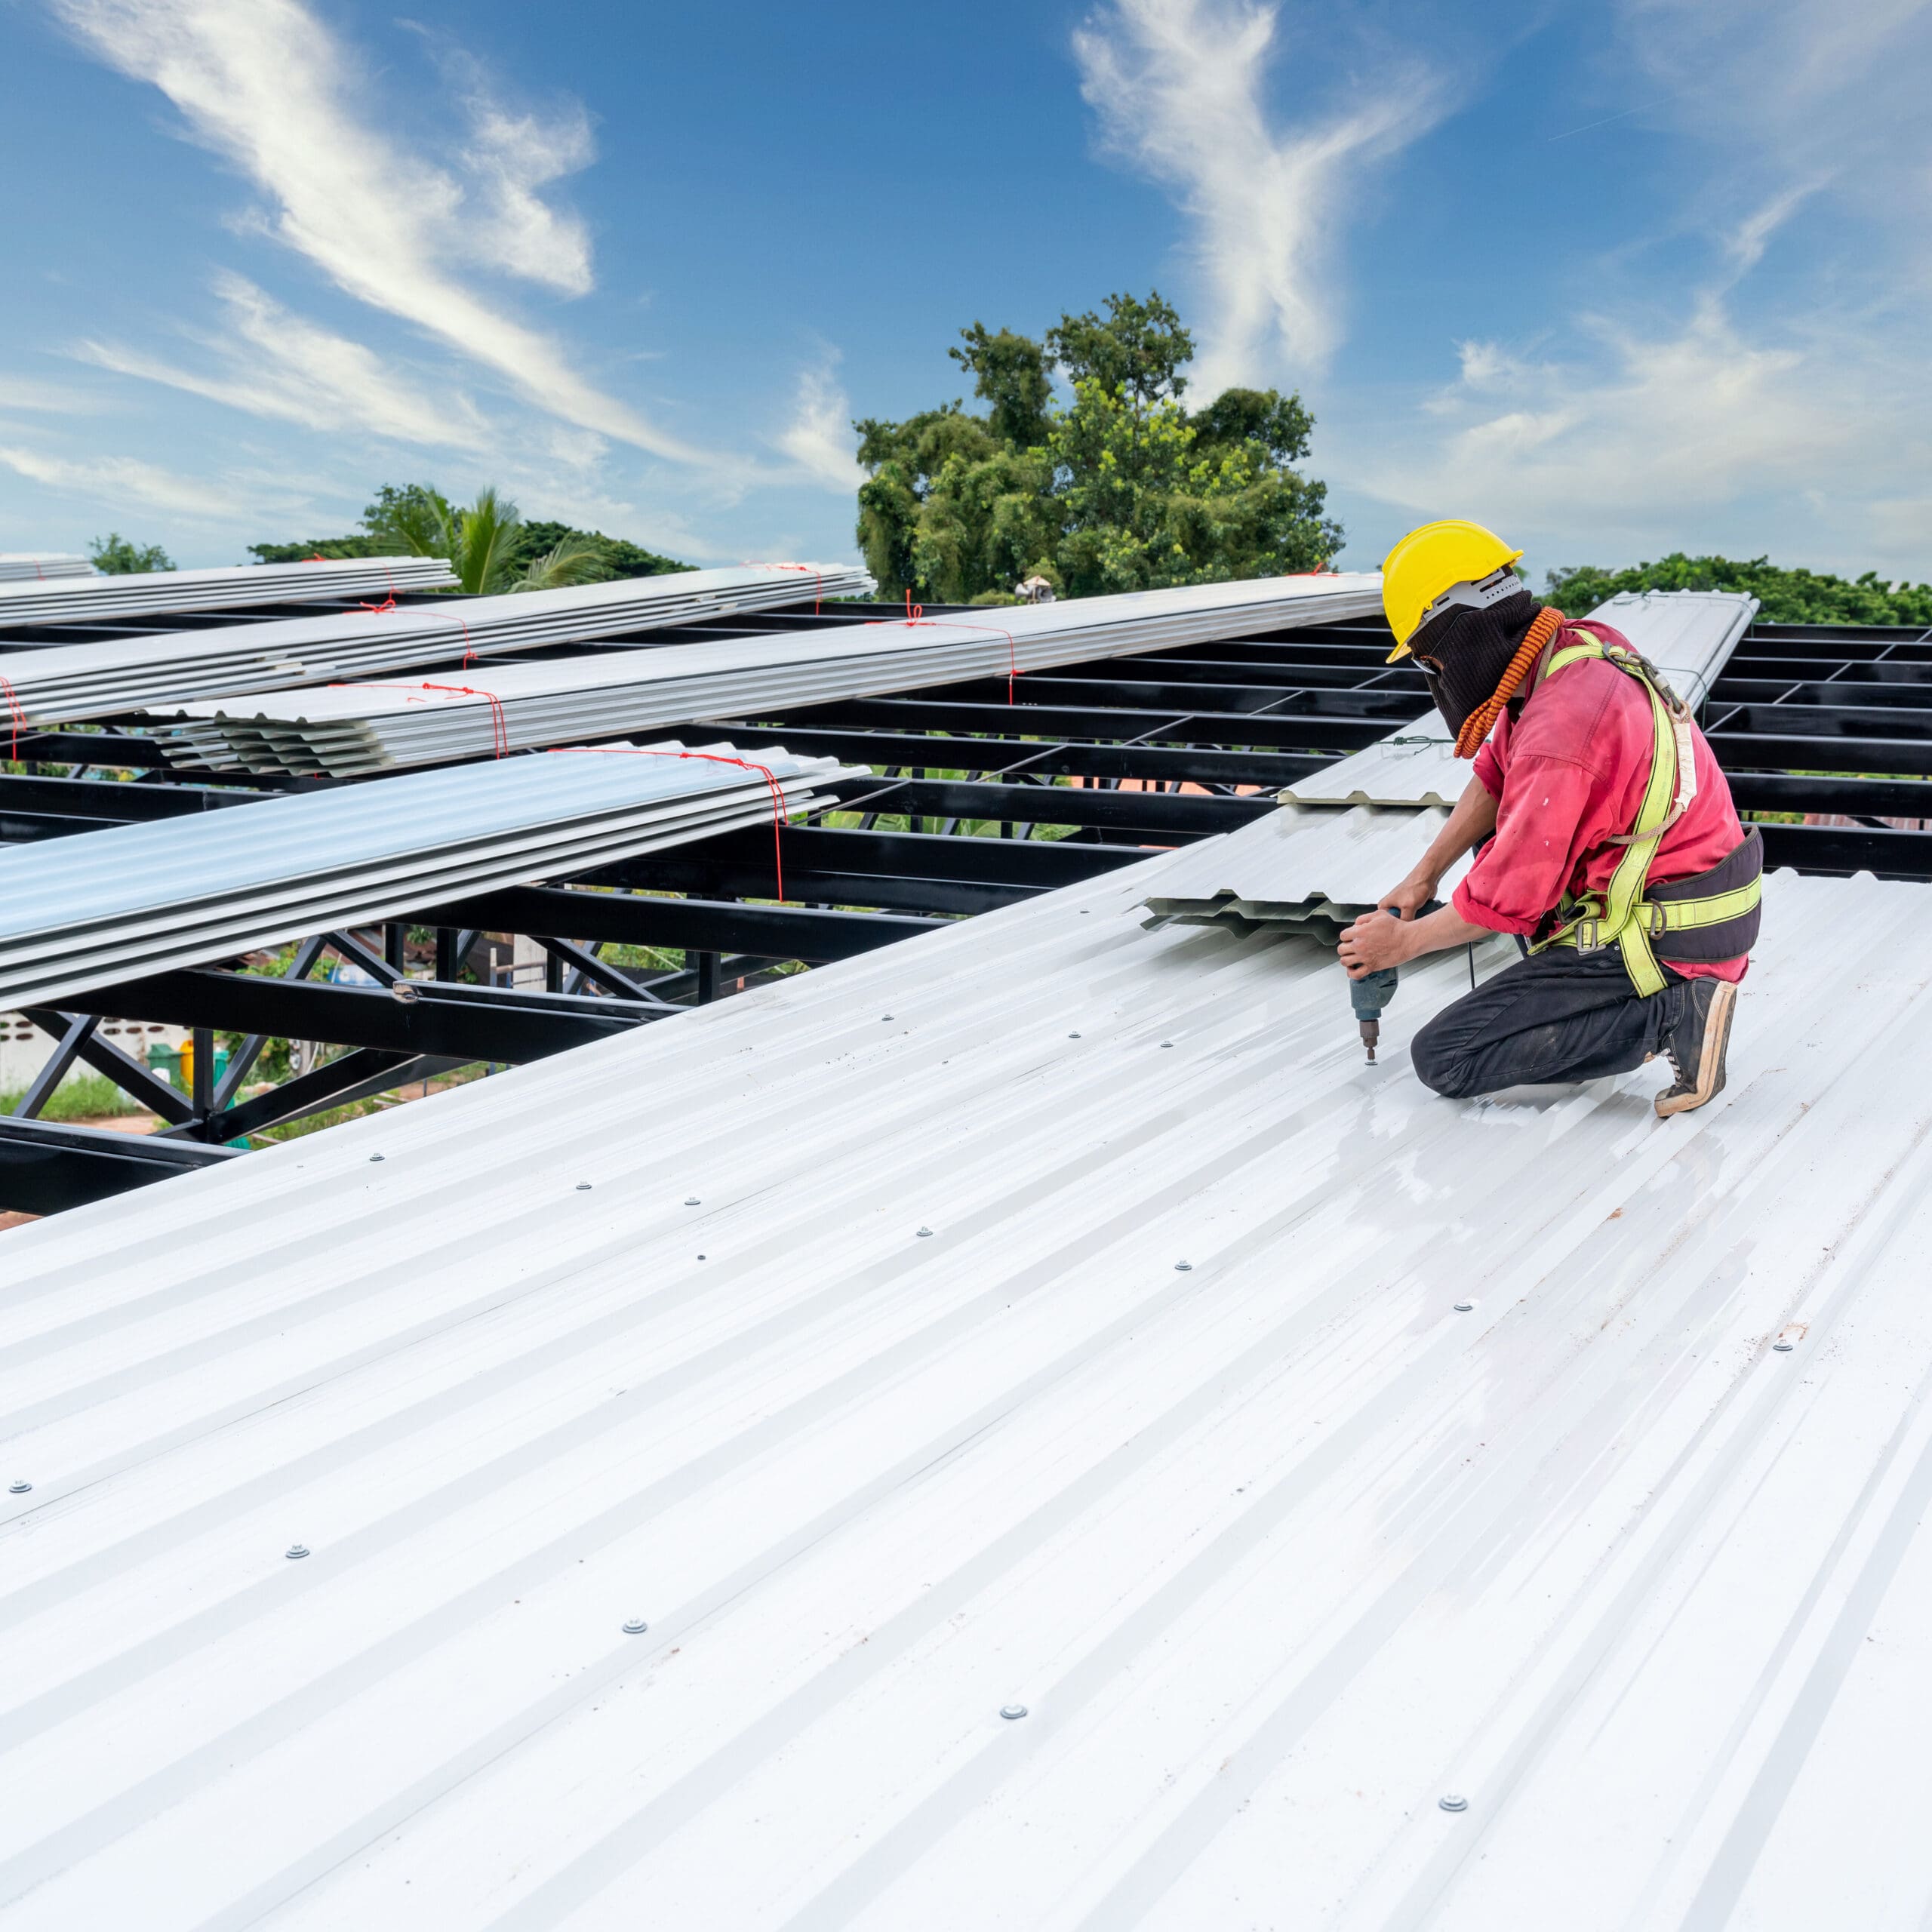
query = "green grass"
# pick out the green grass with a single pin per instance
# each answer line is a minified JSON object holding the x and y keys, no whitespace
{"x":80,"y":1096}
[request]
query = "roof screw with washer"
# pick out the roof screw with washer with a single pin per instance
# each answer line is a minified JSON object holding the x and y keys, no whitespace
{"x":1454,"y":1801}
{"x":634,"y":1626}
{"x":19,"y":1488}
{"x":295,"y":1552}
{"x":1009,"y":1711}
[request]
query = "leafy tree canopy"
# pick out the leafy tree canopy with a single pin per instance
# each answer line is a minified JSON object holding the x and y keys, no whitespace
{"x":1784,"y":596}
{"x":1121,"y":488}
{"x":489,"y":541}
{"x":115,"y":555}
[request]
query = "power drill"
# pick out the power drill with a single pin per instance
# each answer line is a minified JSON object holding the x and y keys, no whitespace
{"x":1371,"y":993}
{"x":1368,"y":995}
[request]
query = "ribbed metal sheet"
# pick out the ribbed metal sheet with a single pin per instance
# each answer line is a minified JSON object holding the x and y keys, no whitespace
{"x":84,"y":598}
{"x":19,"y":566}
{"x":356,"y":729}
{"x":43,"y":686}
{"x":1689,"y":634}
{"x":76,"y":915}
{"x":1301,"y":863}
{"x":1275,"y":1550}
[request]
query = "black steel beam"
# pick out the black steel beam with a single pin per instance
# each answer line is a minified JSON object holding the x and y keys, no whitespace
{"x":335,"y":1084}
{"x":1846,"y":849}
{"x":769,"y":932}
{"x":114,"y":748}
{"x":126,"y":1072}
{"x":921,"y":752}
{"x":1038,"y":862}
{"x":457,"y":1022}
{"x":120,"y":801}
{"x":1779,"y":751}
{"x":1188,"y":815}
{"x":1790,"y":792}
{"x":720,"y":878}
{"x":46,"y":1167}
{"x":1369,"y":714}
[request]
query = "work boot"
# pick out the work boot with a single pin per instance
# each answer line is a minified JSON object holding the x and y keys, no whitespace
{"x":1695,"y":1046}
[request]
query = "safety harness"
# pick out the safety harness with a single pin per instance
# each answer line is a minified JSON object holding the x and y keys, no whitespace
{"x":1712,"y":914}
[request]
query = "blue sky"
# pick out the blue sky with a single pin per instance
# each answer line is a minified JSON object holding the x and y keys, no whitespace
{"x":1616,"y":278}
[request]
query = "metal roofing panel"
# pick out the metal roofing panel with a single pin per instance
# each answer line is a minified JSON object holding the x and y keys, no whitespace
{"x":1301,"y":861}
{"x":1689,"y":634}
{"x":867,"y":1373}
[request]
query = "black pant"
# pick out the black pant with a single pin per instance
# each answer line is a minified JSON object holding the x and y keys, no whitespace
{"x":1558,"y":1015}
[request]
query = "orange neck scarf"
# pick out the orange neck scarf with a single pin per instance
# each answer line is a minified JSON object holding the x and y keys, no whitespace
{"x":1476,"y":727}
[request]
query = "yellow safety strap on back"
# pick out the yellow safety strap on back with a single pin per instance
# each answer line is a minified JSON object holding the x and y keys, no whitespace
{"x":1624,"y":893}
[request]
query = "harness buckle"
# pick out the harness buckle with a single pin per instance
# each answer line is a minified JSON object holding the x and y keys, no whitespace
{"x":1656,"y":919}
{"x":1589,"y":935}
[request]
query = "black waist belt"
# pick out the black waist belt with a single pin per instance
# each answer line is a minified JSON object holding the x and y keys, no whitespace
{"x":1682,"y":935}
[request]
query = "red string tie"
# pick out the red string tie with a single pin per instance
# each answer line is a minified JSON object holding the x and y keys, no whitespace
{"x":818,"y":580}
{"x":376,"y":609}
{"x":764,"y":771}
{"x":916,"y":619}
{"x":20,"y":715}
{"x":499,"y":730}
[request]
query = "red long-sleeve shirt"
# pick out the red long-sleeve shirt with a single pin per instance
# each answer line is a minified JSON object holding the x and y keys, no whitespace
{"x":1569,"y":775}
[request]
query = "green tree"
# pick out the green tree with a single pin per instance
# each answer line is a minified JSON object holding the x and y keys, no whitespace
{"x":1120,"y":489}
{"x":1785,"y":596}
{"x":510,"y":554}
{"x":116,"y":557}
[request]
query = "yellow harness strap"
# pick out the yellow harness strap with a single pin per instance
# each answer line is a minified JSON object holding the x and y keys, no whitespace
{"x":1620,"y":914}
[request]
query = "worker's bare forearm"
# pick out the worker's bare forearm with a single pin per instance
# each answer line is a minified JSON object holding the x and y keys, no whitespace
{"x":1473,"y":820}
{"x":1436,"y":932}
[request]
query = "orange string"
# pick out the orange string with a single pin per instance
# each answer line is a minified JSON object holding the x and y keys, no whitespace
{"x":1476,"y":727}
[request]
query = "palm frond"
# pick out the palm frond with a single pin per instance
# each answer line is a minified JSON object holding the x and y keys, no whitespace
{"x":488,"y":530}
{"x":575,"y":560}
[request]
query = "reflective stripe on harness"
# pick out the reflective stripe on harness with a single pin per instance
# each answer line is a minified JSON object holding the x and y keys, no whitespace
{"x":1620,"y":915}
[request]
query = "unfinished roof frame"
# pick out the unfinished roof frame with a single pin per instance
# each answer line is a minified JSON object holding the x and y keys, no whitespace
{"x":1166,"y":749}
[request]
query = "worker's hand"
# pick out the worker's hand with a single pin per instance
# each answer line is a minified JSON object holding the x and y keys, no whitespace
{"x":1374,"y":941}
{"x":1412,"y":895}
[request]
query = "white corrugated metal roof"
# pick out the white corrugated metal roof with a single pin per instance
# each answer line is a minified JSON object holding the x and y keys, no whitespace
{"x":1276,"y":1549}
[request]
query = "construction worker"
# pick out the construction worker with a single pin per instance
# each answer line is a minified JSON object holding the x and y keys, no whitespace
{"x":1610,"y":846}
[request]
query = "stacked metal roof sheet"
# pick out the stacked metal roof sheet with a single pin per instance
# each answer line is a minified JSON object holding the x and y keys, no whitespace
{"x":16,"y":566}
{"x":65,"y":684}
{"x":79,"y":914}
{"x":376,"y":728}
{"x":1155,"y":1471}
{"x":1689,"y":634}
{"x":69,"y":600}
{"x":1308,"y":867}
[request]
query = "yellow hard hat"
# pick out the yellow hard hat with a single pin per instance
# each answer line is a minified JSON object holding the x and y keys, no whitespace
{"x":1433,"y":559}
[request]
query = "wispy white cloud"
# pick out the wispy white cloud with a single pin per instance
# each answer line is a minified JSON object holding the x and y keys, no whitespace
{"x":1634,"y":441}
{"x":1181,"y":89}
{"x":275,"y":365}
{"x":118,"y":480}
{"x":510,"y":156}
{"x":265,"y":84}
{"x":28,"y":392}
{"x":819,"y":438}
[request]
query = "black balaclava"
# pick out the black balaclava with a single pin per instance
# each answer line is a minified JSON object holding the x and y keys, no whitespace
{"x":1464,"y":653}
